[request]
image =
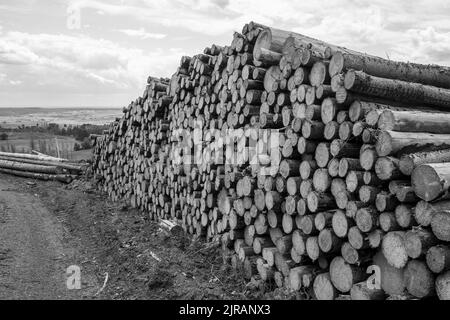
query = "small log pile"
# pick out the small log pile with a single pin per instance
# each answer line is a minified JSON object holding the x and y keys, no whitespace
{"x":320,"y":169}
{"x":39,"y":166}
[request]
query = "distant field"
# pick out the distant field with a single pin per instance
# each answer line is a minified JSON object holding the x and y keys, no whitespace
{"x":15,"y":117}
{"x":46,"y":143}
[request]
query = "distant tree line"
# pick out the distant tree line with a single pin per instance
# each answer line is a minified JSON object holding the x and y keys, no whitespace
{"x":81,"y":133}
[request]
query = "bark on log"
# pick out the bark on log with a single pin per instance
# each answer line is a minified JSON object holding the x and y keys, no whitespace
{"x":39,"y":176}
{"x":391,"y":142}
{"x":64,"y":165}
{"x":40,"y":157}
{"x":360,"y":291}
{"x":427,"y":74}
{"x":408,"y":121}
{"x":26,"y":167}
{"x":418,"y":241}
{"x":424,"y":211}
{"x":409,"y":161}
{"x":397,"y":90}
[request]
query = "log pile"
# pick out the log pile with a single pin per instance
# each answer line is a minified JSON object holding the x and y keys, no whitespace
{"x":39,"y":166}
{"x":315,"y":165}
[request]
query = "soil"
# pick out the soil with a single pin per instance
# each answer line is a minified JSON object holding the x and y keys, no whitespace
{"x":45,"y":227}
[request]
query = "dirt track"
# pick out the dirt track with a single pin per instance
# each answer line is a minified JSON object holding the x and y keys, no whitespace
{"x":34,"y":249}
{"x":46,"y":227}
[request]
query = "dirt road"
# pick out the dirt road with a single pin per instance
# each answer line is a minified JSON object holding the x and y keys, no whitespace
{"x":34,"y":248}
{"x":45,"y":227}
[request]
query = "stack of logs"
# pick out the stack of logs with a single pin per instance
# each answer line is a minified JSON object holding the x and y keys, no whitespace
{"x":350,"y":202}
{"x":39,"y":166}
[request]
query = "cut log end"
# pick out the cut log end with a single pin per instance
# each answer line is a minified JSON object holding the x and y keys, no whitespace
{"x":427,"y":182}
{"x":394,"y":249}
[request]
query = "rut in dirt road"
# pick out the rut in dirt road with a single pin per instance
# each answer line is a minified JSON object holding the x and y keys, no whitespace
{"x":33,"y":254}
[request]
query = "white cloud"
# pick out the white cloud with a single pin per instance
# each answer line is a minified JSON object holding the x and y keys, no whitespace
{"x":381,"y":27}
{"x":203,"y":16}
{"x":142,"y":34}
{"x":4,"y":80}
{"x":430,"y":44}
{"x":12,"y":52}
{"x":83,"y":63}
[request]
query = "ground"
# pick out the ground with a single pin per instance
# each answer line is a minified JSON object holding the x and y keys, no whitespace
{"x":45,"y":227}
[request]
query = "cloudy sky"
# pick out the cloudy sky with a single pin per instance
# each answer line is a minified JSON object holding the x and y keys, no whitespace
{"x":99,"y":52}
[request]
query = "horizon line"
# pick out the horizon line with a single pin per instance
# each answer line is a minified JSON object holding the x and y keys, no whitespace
{"x":61,"y":107}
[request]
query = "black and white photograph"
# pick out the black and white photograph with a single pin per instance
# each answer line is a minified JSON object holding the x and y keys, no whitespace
{"x":223,"y":156}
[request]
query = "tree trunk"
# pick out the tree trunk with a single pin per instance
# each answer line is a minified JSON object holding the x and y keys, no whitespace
{"x":410,"y":121}
{"x":40,"y":157}
{"x":64,"y":165}
{"x":388,"y":222}
{"x":392,"y":142}
{"x":387,"y":168}
{"x":397,"y":90}
{"x":40,"y":176}
{"x":424,"y":211}
{"x":323,"y":288}
{"x":27,"y":167}
{"x":413,"y":72}
{"x":440,"y":224}
{"x":394,"y":249}
{"x":419,"y":280}
{"x":344,"y":275}
{"x":360,"y":291}
{"x":443,"y":286}
{"x":409,"y":161}
{"x":438,"y":258}
{"x":367,"y":219}
{"x":296,"y":275}
{"x":418,"y":241}
{"x":431,"y":181}
{"x":328,"y":241}
{"x":272,"y":78}
{"x":341,"y":223}
{"x":404,"y":216}
{"x":392,"y":281}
